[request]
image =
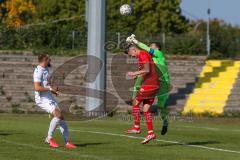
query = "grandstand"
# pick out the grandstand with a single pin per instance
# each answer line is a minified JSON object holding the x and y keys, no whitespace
{"x":190,"y":77}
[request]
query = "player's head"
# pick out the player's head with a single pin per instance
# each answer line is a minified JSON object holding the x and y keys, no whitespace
{"x":155,"y":45}
{"x":44,"y":60}
{"x":132,"y":51}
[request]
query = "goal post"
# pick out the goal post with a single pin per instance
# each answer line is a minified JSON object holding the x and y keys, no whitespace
{"x":96,"y":20}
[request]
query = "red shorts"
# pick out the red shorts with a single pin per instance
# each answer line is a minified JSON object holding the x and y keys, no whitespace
{"x":148,"y":101}
{"x":147,"y":94}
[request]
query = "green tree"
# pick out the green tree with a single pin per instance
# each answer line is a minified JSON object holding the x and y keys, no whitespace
{"x":225,"y":41}
{"x":170,"y":17}
{"x":55,"y":9}
{"x":148,"y":17}
{"x":15,"y":13}
{"x":63,"y":12}
{"x":115,"y":21}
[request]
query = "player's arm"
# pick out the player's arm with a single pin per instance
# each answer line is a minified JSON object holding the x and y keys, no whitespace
{"x":151,"y":51}
{"x":142,"y":72}
{"x":156,"y":53}
{"x":143,"y":46}
{"x":37,"y":84}
{"x":39,"y":88}
{"x":133,"y":40}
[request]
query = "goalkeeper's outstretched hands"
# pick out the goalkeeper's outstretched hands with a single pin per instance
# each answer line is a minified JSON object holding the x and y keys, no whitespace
{"x":132,"y":39}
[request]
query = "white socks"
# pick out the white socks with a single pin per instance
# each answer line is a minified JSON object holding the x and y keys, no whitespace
{"x":64,"y":130}
{"x":53,"y":125}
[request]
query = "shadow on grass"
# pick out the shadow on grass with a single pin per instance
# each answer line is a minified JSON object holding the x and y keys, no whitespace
{"x":89,"y":144}
{"x":202,"y":143}
{"x":8,"y":133}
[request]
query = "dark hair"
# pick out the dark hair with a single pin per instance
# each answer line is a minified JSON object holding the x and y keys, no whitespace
{"x":157,"y":44}
{"x":128,"y":48}
{"x":126,"y":51}
{"x":41,"y":57}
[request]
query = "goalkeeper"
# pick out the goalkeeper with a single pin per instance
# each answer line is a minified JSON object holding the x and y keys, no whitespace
{"x":162,"y":69}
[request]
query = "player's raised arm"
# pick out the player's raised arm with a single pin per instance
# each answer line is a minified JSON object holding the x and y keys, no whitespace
{"x":151,"y":51}
{"x":141,"y":45}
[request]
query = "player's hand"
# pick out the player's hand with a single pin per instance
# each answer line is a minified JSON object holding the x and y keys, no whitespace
{"x":133,"y":38}
{"x":135,"y":41}
{"x":129,"y":40}
{"x":131,"y":74}
{"x":57,"y":93}
{"x":55,"y":90}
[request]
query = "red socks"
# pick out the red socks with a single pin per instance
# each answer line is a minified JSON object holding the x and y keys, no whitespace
{"x":148,"y":119}
{"x":136,"y":116}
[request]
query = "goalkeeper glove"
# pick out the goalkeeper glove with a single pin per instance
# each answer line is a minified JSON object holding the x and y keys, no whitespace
{"x":129,"y":40}
{"x":133,"y":38}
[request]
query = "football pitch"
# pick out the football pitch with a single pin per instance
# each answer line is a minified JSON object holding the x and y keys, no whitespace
{"x":22,"y":138}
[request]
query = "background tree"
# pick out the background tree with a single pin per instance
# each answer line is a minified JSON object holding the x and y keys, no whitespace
{"x":48,"y":10}
{"x":225,"y":38}
{"x":170,"y":17}
{"x":149,"y":17}
{"x":115,"y":21}
{"x":60,"y":25}
{"x":15,"y":13}
{"x":62,"y":15}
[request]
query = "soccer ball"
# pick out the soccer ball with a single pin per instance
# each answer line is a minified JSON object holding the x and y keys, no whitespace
{"x":125,"y":10}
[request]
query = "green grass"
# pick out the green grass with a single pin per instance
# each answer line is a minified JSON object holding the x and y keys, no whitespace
{"x":22,"y":136}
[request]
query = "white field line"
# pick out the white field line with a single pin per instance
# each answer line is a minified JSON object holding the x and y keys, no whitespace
{"x":207,"y":128}
{"x":166,"y":141}
{"x":212,"y":128}
{"x":187,"y":126}
{"x":79,"y":155}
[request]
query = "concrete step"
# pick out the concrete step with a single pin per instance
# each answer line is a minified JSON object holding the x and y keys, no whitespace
{"x":5,"y":82}
{"x":18,"y":72}
{"x":236,"y":106}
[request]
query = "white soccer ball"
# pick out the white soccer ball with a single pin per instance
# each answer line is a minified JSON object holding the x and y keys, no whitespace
{"x":125,"y":9}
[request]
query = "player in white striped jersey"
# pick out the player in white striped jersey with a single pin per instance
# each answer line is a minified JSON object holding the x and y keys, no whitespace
{"x":44,"y":99}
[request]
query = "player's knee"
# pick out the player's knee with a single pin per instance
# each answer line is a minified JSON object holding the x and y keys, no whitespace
{"x":146,"y":108}
{"x":135,"y":102}
{"x":62,"y":117}
{"x":57,"y":113}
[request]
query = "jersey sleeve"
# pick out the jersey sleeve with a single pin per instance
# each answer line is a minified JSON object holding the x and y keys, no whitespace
{"x":143,"y":46}
{"x":37,"y":76}
{"x":158,"y":54}
{"x":151,"y":51}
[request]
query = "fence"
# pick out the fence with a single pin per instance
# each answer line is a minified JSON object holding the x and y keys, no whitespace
{"x":69,"y":40}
